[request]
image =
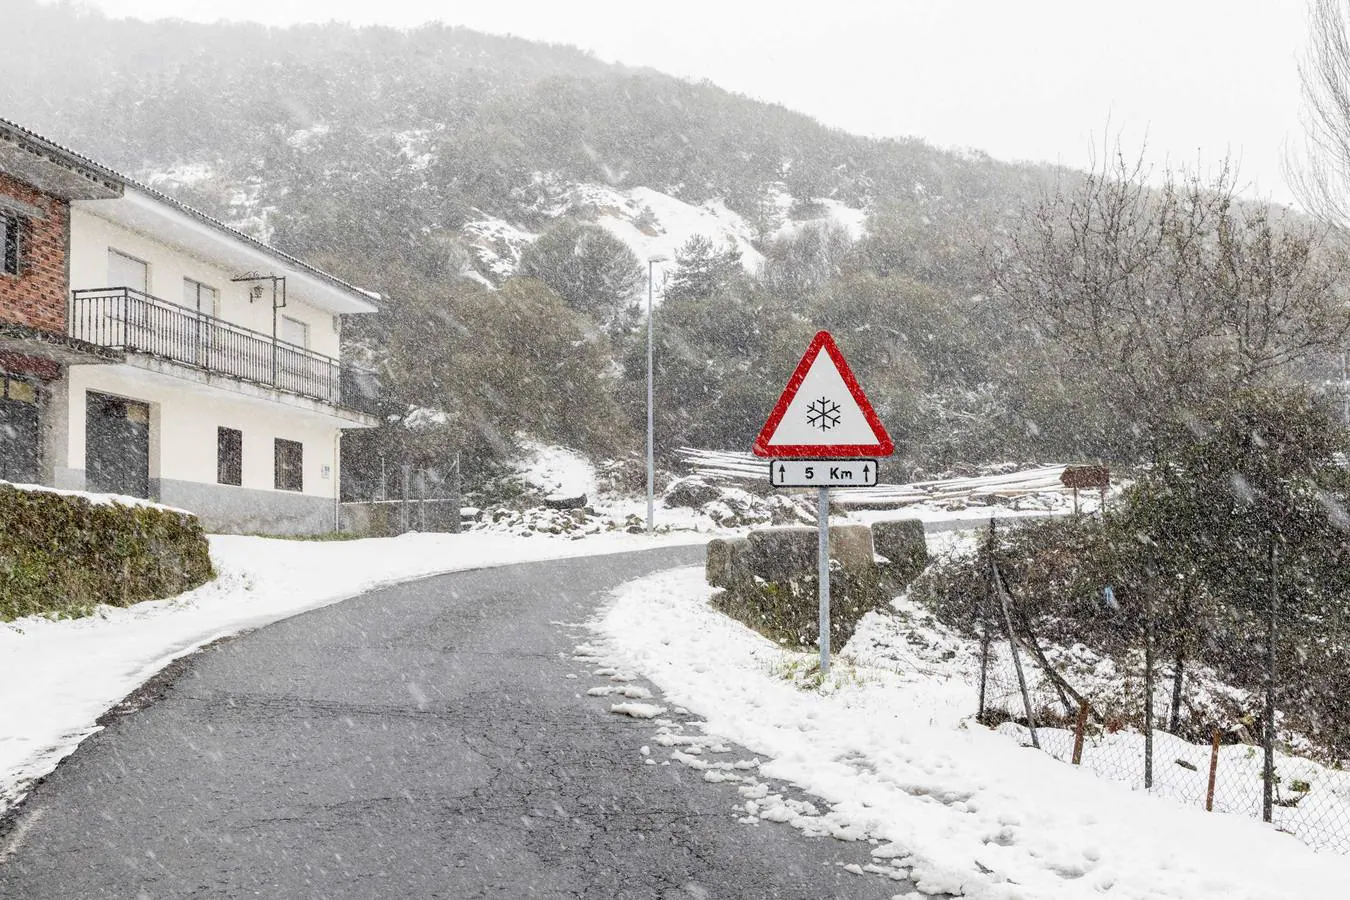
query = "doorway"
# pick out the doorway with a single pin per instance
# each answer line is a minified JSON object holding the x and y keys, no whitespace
{"x":19,"y":437}
{"x":117,"y":445}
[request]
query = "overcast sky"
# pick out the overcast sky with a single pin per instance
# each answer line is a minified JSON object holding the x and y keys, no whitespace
{"x":1020,"y":79}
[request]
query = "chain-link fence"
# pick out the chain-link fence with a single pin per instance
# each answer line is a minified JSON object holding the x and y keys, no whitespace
{"x":1171,"y":727}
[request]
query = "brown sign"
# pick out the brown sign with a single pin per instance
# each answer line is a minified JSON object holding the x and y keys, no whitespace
{"x":1083,"y":477}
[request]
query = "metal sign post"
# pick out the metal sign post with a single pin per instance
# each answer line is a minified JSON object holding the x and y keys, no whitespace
{"x":824,"y":581}
{"x":821,"y":425}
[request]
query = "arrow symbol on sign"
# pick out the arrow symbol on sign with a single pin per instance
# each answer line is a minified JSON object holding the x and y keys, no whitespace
{"x":782,"y":470}
{"x":866,"y":471}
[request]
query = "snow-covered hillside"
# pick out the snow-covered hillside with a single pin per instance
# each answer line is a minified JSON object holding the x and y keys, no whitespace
{"x":654,"y":225}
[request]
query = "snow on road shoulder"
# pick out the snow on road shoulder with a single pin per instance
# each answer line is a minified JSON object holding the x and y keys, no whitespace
{"x":965,"y":809}
{"x":71,"y":671}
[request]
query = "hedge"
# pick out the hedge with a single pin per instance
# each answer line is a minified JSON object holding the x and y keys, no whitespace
{"x":64,"y":554}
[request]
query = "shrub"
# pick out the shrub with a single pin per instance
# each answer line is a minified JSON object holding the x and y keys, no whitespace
{"x":64,"y":554}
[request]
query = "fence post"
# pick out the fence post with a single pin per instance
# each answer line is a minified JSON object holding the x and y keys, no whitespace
{"x":984,"y":669}
{"x":422,"y":500}
{"x":1148,"y":687}
{"x":984,"y":630}
{"x":1268,"y":773}
{"x":1016,"y":655}
{"x":1079,"y":727}
{"x":456,"y":522}
{"x":1213,"y":771}
{"x":407,"y":518}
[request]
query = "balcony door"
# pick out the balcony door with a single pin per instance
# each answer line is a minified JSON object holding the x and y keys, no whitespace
{"x":125,"y":271}
{"x":205,"y":300}
{"x":116,"y":445}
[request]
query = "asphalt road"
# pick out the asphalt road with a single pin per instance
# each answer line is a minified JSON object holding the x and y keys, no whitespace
{"x":419,"y":741}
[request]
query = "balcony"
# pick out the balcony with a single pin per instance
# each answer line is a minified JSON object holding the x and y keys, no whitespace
{"x":129,"y":320}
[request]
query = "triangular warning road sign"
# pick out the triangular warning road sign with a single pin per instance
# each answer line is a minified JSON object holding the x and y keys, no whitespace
{"x":823,"y":411}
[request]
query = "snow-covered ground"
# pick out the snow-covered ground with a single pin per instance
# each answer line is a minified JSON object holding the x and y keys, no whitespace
{"x":75,"y":670}
{"x":957,"y":807}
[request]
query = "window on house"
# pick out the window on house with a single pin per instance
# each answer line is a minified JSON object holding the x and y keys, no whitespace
{"x":10,"y":232}
{"x":128,"y":271}
{"x":289,"y":461}
{"x":229,"y":456}
{"x":293,"y":331}
{"x":201,"y":297}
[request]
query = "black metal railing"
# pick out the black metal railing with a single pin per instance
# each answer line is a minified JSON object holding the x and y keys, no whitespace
{"x":136,"y":322}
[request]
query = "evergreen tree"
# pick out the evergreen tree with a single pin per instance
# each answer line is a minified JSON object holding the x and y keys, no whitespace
{"x":701,"y":270}
{"x":594,"y":272}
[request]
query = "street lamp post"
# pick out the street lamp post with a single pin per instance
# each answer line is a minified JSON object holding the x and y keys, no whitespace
{"x":651,"y":456}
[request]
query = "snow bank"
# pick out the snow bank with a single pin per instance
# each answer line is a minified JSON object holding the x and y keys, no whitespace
{"x":964,"y":809}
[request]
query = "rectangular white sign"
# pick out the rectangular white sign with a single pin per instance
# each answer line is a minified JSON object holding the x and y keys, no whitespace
{"x":823,"y":472}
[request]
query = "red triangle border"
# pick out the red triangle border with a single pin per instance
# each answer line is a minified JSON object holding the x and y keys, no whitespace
{"x":822,"y":341}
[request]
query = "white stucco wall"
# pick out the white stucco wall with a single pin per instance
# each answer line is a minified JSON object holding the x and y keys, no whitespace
{"x":183,"y":422}
{"x":91,"y":236}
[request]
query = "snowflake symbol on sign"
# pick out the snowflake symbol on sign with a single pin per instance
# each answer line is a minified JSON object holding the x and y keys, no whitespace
{"x":823,"y":414}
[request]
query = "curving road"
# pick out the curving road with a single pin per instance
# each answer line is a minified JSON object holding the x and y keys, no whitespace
{"x":420,"y":741}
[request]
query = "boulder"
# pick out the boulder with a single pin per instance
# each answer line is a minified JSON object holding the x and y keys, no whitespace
{"x":565,"y":501}
{"x":770,"y":582}
{"x":691,"y":491}
{"x":725,"y":562}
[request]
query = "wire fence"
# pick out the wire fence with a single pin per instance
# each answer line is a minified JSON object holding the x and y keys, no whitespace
{"x":1157,"y":725}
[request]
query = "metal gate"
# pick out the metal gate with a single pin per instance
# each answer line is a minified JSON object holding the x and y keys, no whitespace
{"x":19,"y":436}
{"x":117,"y":445}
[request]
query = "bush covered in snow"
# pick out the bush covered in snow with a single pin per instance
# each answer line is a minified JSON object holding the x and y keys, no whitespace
{"x":64,"y":554}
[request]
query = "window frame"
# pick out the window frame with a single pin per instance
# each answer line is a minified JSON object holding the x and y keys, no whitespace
{"x":201,"y":290}
{"x":283,"y":468}
{"x":227,"y":466}
{"x":11,"y":243}
{"x":144,"y":263}
{"x":304,"y":331}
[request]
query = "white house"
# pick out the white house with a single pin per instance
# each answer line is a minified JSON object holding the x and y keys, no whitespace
{"x":223,"y":393}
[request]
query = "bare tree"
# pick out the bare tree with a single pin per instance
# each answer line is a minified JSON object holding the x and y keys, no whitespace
{"x":1171,"y":294}
{"x":1320,"y":176}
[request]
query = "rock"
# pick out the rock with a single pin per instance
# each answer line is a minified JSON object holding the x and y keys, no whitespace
{"x":690,"y":491}
{"x":724,"y":558}
{"x":564,"y":501}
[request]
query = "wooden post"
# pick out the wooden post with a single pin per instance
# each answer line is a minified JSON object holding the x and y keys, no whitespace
{"x":1213,"y":770}
{"x":1078,"y":730}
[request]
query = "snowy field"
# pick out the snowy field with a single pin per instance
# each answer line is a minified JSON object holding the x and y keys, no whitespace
{"x":75,"y":670}
{"x":958,"y":808}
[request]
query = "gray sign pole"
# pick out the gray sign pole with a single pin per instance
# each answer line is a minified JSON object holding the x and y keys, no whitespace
{"x":824,"y":581}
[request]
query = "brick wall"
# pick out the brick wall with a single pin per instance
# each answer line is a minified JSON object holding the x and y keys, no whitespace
{"x":37,"y":298}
